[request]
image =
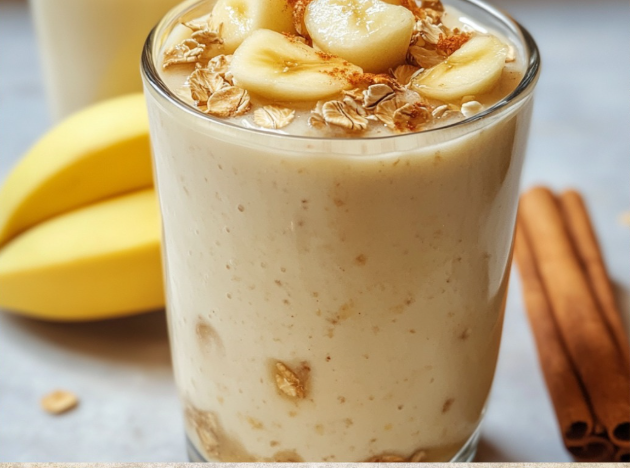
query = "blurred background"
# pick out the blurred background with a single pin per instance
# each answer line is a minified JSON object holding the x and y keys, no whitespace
{"x":120,"y":369}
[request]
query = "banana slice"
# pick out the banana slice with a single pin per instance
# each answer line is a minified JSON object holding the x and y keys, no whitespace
{"x":239,"y":18}
{"x":283,"y":68}
{"x":369,"y":33}
{"x":474,"y":69}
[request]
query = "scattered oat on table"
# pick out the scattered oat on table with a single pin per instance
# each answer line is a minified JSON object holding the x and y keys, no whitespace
{"x":59,"y":401}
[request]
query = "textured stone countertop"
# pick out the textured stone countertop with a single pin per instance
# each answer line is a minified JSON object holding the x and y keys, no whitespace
{"x":121,"y":369}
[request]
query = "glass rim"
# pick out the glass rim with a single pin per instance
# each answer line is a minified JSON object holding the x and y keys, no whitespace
{"x":151,"y":76}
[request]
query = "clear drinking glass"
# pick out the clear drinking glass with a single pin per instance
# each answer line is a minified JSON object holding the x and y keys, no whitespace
{"x":90,"y":48}
{"x":336,"y":299}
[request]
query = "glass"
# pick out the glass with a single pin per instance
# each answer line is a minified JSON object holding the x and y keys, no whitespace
{"x":90,"y":48}
{"x":336,"y":299}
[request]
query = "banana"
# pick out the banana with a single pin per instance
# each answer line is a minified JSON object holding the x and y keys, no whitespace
{"x":96,"y":153}
{"x":96,"y":262}
{"x":372,"y":34}
{"x":237,"y":19}
{"x":278,"y":67}
{"x":474,"y":69}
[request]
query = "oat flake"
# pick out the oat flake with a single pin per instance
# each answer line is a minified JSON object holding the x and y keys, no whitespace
{"x":207,"y":37}
{"x":356,"y":94}
{"x":288,"y":382}
{"x":59,"y":401}
{"x":423,"y":57}
{"x":419,"y":456}
{"x":273,"y":117}
{"x":189,"y":51}
{"x":197,"y":25}
{"x":229,"y":102}
{"x":471,"y":108}
{"x":346,"y":114}
{"x":404,"y":73}
{"x":220,"y":64}
{"x":376,"y":94}
{"x":203,"y":84}
{"x":410,"y":116}
{"x":428,"y":31}
{"x":317,"y":121}
{"x":511,"y":54}
{"x":385,"y":112}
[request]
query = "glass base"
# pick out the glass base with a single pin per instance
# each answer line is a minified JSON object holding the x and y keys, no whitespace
{"x":466,"y":453}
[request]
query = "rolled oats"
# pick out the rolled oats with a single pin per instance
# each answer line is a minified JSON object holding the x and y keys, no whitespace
{"x":288,"y":382}
{"x":273,"y":117}
{"x":376,"y":94}
{"x":346,"y":114}
{"x":59,"y":401}
{"x":229,"y":101}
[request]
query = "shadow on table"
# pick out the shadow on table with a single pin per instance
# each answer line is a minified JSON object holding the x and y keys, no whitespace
{"x":140,"y":339}
{"x":487,"y":452}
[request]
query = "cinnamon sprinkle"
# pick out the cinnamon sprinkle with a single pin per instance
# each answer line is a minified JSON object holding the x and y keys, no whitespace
{"x":430,"y":43}
{"x":448,"y":44}
{"x":294,"y":38}
{"x":413,"y":7}
{"x":324,"y":55}
{"x":367,"y":79}
{"x":299,"y":9}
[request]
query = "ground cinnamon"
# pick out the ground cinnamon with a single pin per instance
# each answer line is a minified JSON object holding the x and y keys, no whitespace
{"x":592,"y":351}
{"x":574,"y":416}
{"x":587,"y":248}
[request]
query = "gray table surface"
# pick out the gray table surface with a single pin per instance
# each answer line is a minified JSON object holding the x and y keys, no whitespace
{"x":121,"y":369}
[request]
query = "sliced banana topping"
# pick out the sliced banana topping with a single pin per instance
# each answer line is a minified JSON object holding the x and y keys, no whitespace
{"x":473,"y":69}
{"x":369,"y":33}
{"x":237,"y":19}
{"x":280,"y":67}
{"x":419,"y":73}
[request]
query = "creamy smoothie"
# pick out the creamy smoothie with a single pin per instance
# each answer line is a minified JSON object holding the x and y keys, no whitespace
{"x":336,"y":281}
{"x":90,"y":48}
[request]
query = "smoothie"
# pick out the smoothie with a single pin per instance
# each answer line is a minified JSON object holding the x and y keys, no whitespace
{"x":336,"y":294}
{"x":90,"y":48}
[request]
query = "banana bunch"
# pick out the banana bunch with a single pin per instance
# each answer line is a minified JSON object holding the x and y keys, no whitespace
{"x":79,"y":223}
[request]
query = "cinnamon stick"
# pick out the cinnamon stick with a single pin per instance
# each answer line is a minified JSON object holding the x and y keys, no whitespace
{"x":592,"y":449}
{"x":587,"y":247}
{"x":569,"y":402}
{"x":623,"y":455}
{"x":599,"y":365}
